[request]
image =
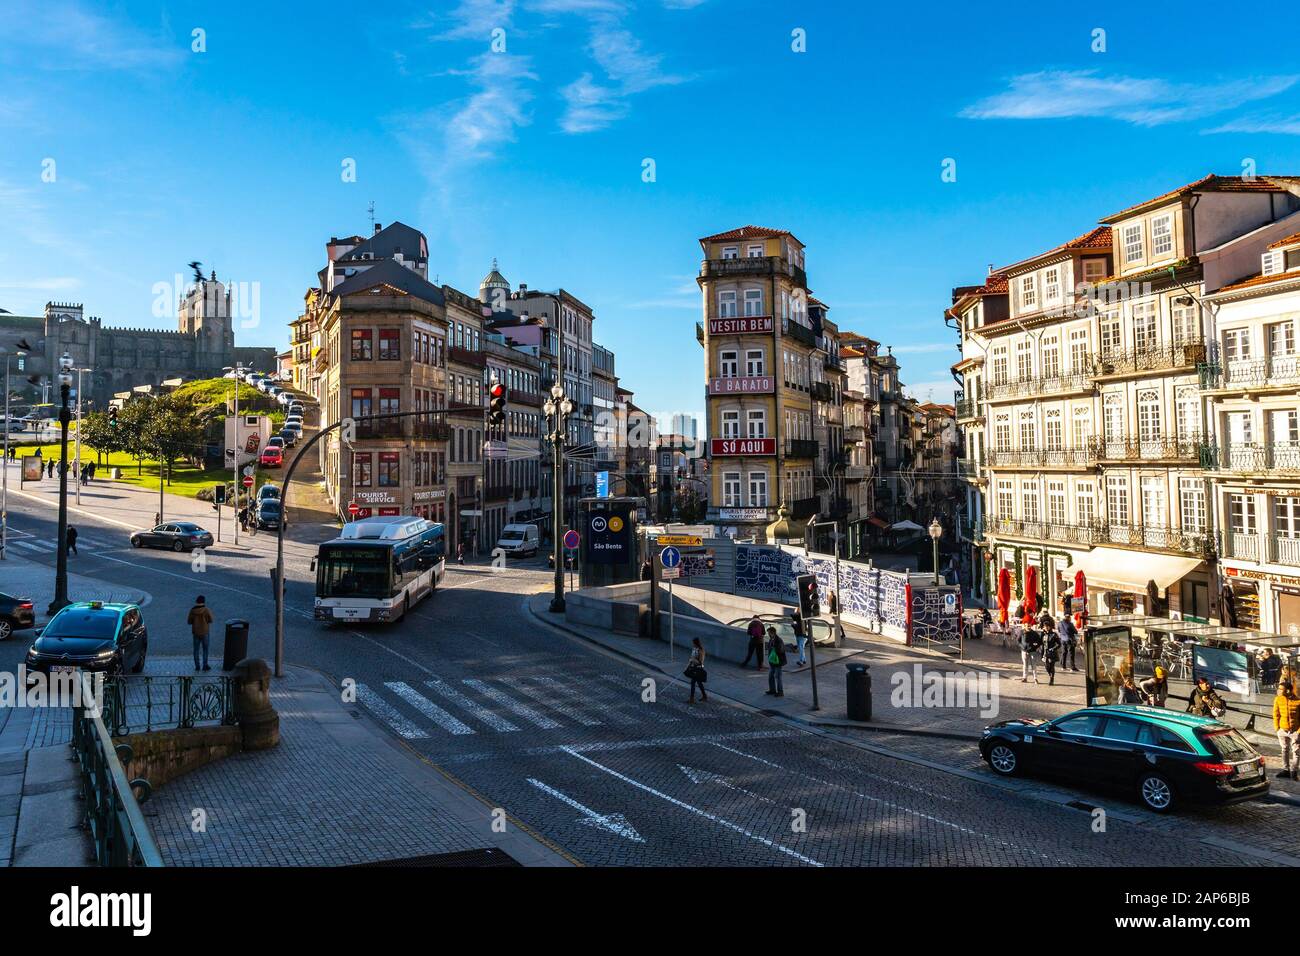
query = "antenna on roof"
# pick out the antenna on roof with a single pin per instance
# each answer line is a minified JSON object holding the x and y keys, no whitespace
{"x":371,"y":210}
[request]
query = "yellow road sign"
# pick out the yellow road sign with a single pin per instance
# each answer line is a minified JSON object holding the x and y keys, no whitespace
{"x":680,"y":541}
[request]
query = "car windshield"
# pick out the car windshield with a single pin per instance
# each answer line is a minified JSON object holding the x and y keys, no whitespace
{"x":270,"y":504}
{"x":509,"y":535}
{"x":1229,"y":744}
{"x":354,"y":572}
{"x":82,"y":622}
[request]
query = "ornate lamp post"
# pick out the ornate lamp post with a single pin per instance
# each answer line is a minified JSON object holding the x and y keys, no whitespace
{"x":557,"y":410}
{"x":936,"y":532}
{"x":61,"y":569}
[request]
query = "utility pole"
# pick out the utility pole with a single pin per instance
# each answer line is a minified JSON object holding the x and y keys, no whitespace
{"x":238,"y":369}
{"x":77,"y":453}
{"x":22,"y":348}
{"x":61,"y":568}
{"x":557,"y":409}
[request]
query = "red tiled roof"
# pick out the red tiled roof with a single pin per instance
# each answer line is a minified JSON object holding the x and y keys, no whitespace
{"x":750,"y":232}
{"x":1260,"y":280}
{"x":1210,"y":183}
{"x":851,"y":352}
{"x":1288,"y":240}
{"x":1098,"y":238}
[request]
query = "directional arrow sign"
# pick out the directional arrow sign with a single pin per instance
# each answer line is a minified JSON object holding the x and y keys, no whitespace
{"x":696,"y":775}
{"x":615,"y":823}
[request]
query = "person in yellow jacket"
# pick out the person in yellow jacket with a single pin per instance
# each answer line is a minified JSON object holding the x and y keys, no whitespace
{"x":1286,"y":721}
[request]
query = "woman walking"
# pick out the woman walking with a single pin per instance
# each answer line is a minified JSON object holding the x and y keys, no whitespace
{"x":775,"y":661}
{"x":696,"y":672}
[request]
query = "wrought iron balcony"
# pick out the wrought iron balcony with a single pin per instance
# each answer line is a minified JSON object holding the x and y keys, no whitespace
{"x":1279,"y":370}
{"x":1055,"y":385}
{"x":1128,"y":448}
{"x":799,"y":333}
{"x":800,"y":448}
{"x":1199,"y":543}
{"x":1280,"y":458}
{"x":464,"y":356}
{"x":970,"y":468}
{"x":1153,"y":359}
{"x":1084,"y":457}
{"x":756,"y":266}
{"x":384,"y":428}
{"x":1060,"y":533}
{"x":430,"y":430}
{"x":968,"y":408}
{"x":821,"y":391}
{"x":805,"y":507}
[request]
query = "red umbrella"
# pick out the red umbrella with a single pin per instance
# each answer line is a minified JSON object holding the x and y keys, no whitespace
{"x":1030,"y":603}
{"x":1080,"y":591}
{"x":1004,"y":595}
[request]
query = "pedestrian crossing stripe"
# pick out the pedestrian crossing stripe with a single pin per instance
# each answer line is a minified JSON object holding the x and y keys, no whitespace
{"x":46,"y":546}
{"x":494,"y":721}
{"x":427,"y":707}
{"x":385,"y":712}
{"x":512,"y":705}
{"x":558,"y":706}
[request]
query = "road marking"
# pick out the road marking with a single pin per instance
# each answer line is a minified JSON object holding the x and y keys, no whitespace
{"x":550,"y":701}
{"x":707,"y":776}
{"x":696,"y":810}
{"x":27,"y":546}
{"x":608,"y":703}
{"x":494,"y":721}
{"x":427,"y":707}
{"x":661,"y":699}
{"x":613,"y":822}
{"x":381,"y":709}
{"x":514,"y":706}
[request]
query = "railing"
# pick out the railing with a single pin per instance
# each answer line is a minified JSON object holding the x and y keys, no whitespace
{"x":1252,"y":373}
{"x":430,"y":430}
{"x":800,"y":448}
{"x":1286,"y":551}
{"x":805,"y":507}
{"x":1127,"y":448}
{"x":1044,"y":458}
{"x":1281,"y":458}
{"x":1162,"y":539}
{"x":111,"y":812}
{"x":799,"y":333}
{"x":1062,"y":533}
{"x":135,"y":705}
{"x":855,"y":433}
{"x":525,"y":398}
{"x":970,"y":468}
{"x":1056,"y":384}
{"x":968,"y":408}
{"x":821,"y":391}
{"x":1243,"y":544}
{"x":1152,"y":359}
{"x":384,"y":428}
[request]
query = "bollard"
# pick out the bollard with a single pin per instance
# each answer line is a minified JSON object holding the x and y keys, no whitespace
{"x":258,"y":722}
{"x":858,"y":686}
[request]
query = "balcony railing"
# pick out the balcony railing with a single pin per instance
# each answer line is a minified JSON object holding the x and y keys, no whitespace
{"x":1244,"y":545}
{"x":1153,"y":359}
{"x":800,"y":448}
{"x":391,"y":428}
{"x":1281,"y":458}
{"x":465,"y":356}
{"x":1162,"y":539}
{"x":525,"y":398}
{"x":855,"y":433}
{"x":1286,"y":551}
{"x":1278,"y":370}
{"x":821,"y":391}
{"x":1128,"y":448}
{"x":1044,"y":458}
{"x":430,"y":430}
{"x":799,"y":333}
{"x":805,"y":507}
{"x":1055,"y":385}
{"x":1061,"y":533}
{"x":970,"y":468}
{"x":968,"y":408}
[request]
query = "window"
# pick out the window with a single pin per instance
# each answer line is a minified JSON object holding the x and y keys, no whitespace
{"x":1144,"y":325}
{"x":1284,"y":423}
{"x":728,"y":363}
{"x":755,"y":251}
{"x":1028,"y":293}
{"x":1024,"y":361}
{"x":1148,"y":415}
{"x":1029,"y":498}
{"x":1027,"y":430}
{"x":1241,"y":514}
{"x":390,"y":345}
{"x":1081,"y":427}
{"x":1000,"y":365}
{"x":1286,"y":516}
{"x":1094,"y":270}
{"x":390,"y":469}
{"x":1236,"y":345}
{"x":1080,"y":360}
{"x":1085,"y":725}
{"x":1002,"y":434}
{"x":753,"y":301}
{"x":731,"y":490}
{"x":731,"y":252}
{"x":754,"y":363}
{"x":362,"y":345}
{"x":1113,"y":417}
{"x":1133,"y":242}
{"x":756,"y":423}
{"x":731,"y":424}
{"x":1111,"y":338}
{"x":1187,"y":412}
{"x":1052,"y":285}
{"x":758,"y":489}
{"x":1281,"y":339}
{"x":1052,"y":430}
{"x":727,"y":304}
{"x":362,"y":463}
{"x":1117,"y":500}
{"x":1051,"y":357}
{"x":361,"y":403}
{"x":1123,"y":731}
{"x":1086,"y":503}
{"x":1186,"y":327}
{"x":1191,"y":505}
{"x":1005,"y":507}
{"x":1154,"y":514}
{"x":1162,"y":235}
{"x":1056,"y":502}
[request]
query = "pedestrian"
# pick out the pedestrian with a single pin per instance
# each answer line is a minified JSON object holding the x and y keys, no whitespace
{"x":696,"y":672}
{"x":157,"y":518}
{"x":1155,"y":690}
{"x":755,"y":650}
{"x":1270,"y":668}
{"x":90,"y":469}
{"x":1205,"y":701}
{"x":460,"y":553}
{"x":775,"y":661}
{"x":50,"y":469}
{"x":1031,"y":644}
{"x":1069,"y":635}
{"x":72,"y":540}
{"x":1051,"y":651}
{"x":646,"y":570}
{"x":1128,"y":691}
{"x":800,"y":638}
{"x":1286,"y":721}
{"x":200,"y":622}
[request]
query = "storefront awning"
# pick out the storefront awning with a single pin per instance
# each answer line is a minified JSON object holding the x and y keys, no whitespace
{"x":1131,"y":570}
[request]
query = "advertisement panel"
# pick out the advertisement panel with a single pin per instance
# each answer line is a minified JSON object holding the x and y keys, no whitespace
{"x":741,"y":325}
{"x":742,"y":446}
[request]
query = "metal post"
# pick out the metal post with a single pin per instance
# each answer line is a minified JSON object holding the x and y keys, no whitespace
{"x":812,"y":658}
{"x":77,"y":453}
{"x":936,"y":561}
{"x":557,"y":506}
{"x":672,"y":622}
{"x":61,"y":568}
{"x":4,"y":477}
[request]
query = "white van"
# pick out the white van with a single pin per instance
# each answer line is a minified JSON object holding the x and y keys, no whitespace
{"x":519,"y":540}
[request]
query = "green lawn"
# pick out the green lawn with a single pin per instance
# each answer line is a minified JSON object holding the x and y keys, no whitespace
{"x":185,"y":478}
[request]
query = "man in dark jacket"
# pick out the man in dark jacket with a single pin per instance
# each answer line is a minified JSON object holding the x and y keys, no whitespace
{"x":1205,"y":702}
{"x":1069,"y":635}
{"x":200,"y":622}
{"x":72,"y":540}
{"x":755,"y":632}
{"x":775,"y":661}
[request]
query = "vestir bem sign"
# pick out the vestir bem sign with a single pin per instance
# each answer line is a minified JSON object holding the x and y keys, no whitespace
{"x":747,"y":385}
{"x":743,"y":446}
{"x":741,"y":324}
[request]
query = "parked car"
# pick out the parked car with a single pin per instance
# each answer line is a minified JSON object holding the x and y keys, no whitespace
{"x":288,"y":437}
{"x":270,"y":514}
{"x":271,"y":457}
{"x":284,"y":398}
{"x":91,"y":636}
{"x":822,"y":632}
{"x":176,"y":535}
{"x":1162,"y":756}
{"x":16,"y":614}
{"x":275,"y":441}
{"x":268,"y":490}
{"x":295,"y":427}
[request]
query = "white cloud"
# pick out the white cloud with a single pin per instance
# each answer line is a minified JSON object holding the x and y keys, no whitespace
{"x":591,"y":106}
{"x":683,"y":4}
{"x":472,"y":19}
{"x":77,"y":38}
{"x":1059,"y":94}
{"x":580,"y":7}
{"x":49,"y":284}
{"x":1281,"y":125}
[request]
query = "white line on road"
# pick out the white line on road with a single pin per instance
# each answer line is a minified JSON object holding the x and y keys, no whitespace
{"x":494,"y":721}
{"x":427,"y":707}
{"x":613,"y":822}
{"x":607,"y":702}
{"x":384,"y":711}
{"x":708,"y":776}
{"x":550,"y":701}
{"x":514,"y":706}
{"x":696,"y":810}
{"x":661,"y":699}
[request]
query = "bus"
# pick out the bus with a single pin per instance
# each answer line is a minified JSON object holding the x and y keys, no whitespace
{"x":377,"y":568}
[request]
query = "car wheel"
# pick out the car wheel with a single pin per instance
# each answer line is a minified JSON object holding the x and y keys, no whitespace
{"x":1156,"y":792}
{"x":1003,"y":759}
{"x":6,"y":628}
{"x":178,"y":546}
{"x":139,"y":665}
{"x":136,"y":542}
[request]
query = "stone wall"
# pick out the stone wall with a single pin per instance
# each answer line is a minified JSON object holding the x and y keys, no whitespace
{"x":163,"y":755}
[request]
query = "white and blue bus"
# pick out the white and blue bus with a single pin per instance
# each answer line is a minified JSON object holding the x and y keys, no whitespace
{"x":378,"y":568}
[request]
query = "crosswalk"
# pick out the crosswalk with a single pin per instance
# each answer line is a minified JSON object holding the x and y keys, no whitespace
{"x":438,"y":707}
{"x":85,"y":542}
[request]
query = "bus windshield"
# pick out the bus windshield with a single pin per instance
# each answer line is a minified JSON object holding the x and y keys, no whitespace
{"x":355,"y":572}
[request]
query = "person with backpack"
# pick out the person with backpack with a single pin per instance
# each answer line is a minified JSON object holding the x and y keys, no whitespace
{"x":1051,"y":652}
{"x":755,"y":632}
{"x":775,"y":661}
{"x":1069,"y":637}
{"x":1155,"y":690}
{"x":200,"y":622}
{"x":696,"y":672}
{"x":72,"y":540}
{"x":1031,"y":645}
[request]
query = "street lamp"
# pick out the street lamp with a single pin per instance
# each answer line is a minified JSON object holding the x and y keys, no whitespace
{"x":61,"y":568}
{"x":936,"y":532}
{"x":557,"y":410}
{"x":20,"y":348}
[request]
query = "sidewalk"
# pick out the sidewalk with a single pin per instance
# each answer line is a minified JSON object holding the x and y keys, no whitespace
{"x":33,"y":580}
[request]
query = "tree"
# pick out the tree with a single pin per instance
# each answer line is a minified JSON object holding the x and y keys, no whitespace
{"x":100,"y":435}
{"x":173,"y":428}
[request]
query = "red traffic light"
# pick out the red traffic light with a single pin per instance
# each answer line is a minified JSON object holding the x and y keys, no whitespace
{"x":497,"y":390}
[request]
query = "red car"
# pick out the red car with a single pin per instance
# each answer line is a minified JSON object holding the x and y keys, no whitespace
{"x":272,"y":457}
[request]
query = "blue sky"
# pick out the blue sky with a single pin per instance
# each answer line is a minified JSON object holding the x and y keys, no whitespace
{"x":233,"y":156}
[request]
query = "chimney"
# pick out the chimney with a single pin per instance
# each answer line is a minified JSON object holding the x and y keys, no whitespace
{"x":378,"y":226}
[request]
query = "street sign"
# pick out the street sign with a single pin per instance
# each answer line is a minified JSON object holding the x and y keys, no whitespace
{"x":602,"y":484}
{"x":249,"y":469}
{"x":681,"y":540}
{"x":353,"y":507}
{"x":248,"y":481}
{"x":670,"y":558}
{"x":669,"y":574}
{"x":571,"y":539}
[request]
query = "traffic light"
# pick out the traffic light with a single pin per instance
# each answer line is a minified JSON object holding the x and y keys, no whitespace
{"x":497,"y":406}
{"x":112,"y":417}
{"x":809,"y":599}
{"x":219,"y":494}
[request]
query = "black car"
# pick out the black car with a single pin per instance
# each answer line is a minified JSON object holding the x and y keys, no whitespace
{"x":1163,"y":756}
{"x":177,"y":535}
{"x":16,"y":614}
{"x":91,"y":636}
{"x":269,"y":514}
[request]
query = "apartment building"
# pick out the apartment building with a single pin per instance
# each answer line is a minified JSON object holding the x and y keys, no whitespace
{"x":466,"y":406}
{"x":513,"y":462}
{"x":826,"y":387}
{"x":937,"y":453}
{"x":1093,"y":411}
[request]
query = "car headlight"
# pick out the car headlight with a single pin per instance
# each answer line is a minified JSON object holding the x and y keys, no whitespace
{"x":105,"y":655}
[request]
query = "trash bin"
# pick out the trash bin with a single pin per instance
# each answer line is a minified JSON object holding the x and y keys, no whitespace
{"x":236,"y":646}
{"x":858,"y":685}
